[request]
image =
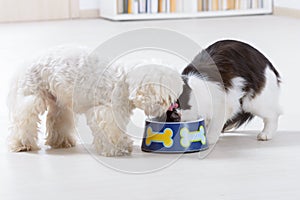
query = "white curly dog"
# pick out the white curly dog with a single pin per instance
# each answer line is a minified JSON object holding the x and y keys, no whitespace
{"x":69,"y":81}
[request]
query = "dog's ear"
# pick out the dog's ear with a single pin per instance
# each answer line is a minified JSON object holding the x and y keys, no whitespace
{"x":154,"y":88}
{"x":150,"y":98}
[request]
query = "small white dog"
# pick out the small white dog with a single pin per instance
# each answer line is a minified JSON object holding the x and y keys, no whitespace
{"x":68,"y":81}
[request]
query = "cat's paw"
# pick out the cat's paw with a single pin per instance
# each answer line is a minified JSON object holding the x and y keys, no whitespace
{"x":264,"y":136}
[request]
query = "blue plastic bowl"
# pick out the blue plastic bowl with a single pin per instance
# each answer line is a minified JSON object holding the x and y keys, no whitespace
{"x":174,"y":137}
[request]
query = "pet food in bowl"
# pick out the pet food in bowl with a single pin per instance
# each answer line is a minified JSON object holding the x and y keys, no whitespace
{"x":174,"y":137}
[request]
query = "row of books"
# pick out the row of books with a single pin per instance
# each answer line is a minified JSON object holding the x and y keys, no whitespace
{"x":188,"y":6}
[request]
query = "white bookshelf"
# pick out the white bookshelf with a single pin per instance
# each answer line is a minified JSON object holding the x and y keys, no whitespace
{"x":109,"y":10}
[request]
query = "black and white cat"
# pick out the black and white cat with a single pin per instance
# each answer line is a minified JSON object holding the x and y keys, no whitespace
{"x":228,"y":84}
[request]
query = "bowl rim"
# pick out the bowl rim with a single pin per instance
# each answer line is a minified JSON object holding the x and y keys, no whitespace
{"x":157,"y":122}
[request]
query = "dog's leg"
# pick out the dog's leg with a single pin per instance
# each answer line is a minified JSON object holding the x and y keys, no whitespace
{"x":60,"y":127}
{"x":25,"y":120}
{"x":110,"y":137}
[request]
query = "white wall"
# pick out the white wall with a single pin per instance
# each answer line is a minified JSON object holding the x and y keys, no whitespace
{"x":294,"y":4}
{"x":89,"y":4}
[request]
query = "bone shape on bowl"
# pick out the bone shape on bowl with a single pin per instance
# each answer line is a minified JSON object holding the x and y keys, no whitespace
{"x":160,"y":137}
{"x":188,"y":137}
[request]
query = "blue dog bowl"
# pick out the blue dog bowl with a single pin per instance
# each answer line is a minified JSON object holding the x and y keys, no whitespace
{"x":174,"y":137}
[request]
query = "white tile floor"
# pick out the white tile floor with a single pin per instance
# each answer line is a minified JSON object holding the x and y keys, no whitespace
{"x":238,"y":168}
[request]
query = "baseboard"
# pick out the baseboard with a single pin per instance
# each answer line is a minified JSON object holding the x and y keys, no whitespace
{"x":89,"y":13}
{"x":281,"y":11}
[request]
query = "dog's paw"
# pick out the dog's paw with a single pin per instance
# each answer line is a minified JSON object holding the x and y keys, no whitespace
{"x":264,"y":137}
{"x":64,"y":143}
{"x":116,"y":152}
{"x":122,"y":148}
{"x":23,"y":147}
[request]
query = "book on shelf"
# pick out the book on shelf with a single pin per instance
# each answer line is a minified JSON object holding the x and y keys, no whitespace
{"x":125,"y":6}
{"x":179,"y":6}
{"x":245,"y":4}
{"x":168,"y":6}
{"x":249,"y":4}
{"x":205,"y":5}
{"x":215,"y":5}
{"x":129,"y":6}
{"x":172,"y":6}
{"x":184,"y":6}
{"x":154,"y":6}
{"x":142,"y":6}
{"x":238,"y":4}
{"x":135,"y":8}
{"x":161,"y":6}
{"x":231,"y":4}
{"x":223,"y":5}
{"x":200,"y":6}
{"x":254,"y":4}
{"x":121,"y":6}
{"x":190,"y":6}
{"x":260,"y":4}
{"x":148,"y":6}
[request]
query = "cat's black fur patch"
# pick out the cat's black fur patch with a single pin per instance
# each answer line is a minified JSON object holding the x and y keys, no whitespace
{"x":232,"y":59}
{"x":225,"y":60}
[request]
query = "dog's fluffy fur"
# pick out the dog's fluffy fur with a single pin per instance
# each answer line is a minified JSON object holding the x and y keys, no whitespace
{"x":228,"y":84}
{"x":68,"y":81}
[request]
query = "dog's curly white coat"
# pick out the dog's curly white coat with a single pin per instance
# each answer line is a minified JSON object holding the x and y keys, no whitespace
{"x":67,"y":81}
